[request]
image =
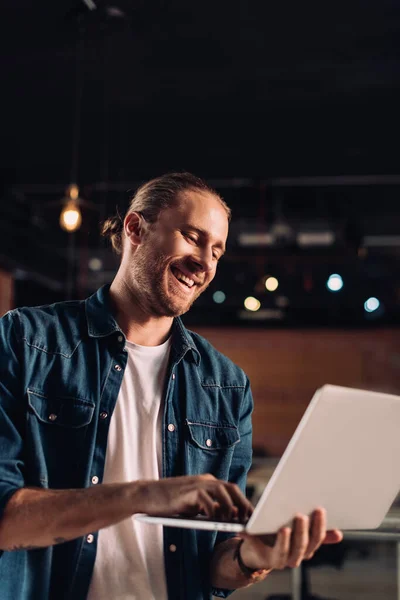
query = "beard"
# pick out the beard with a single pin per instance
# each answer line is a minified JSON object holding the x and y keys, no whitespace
{"x":151,"y":276}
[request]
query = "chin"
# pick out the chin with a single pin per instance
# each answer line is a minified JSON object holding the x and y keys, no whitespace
{"x":167,"y":308}
{"x":177,"y":311}
{"x":174,"y":304}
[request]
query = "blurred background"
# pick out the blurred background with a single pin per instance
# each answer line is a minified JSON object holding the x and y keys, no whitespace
{"x":290,"y":110}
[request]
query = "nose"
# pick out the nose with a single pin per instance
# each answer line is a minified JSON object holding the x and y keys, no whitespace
{"x":203,"y":259}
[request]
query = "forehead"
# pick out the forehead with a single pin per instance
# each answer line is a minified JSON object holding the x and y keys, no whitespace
{"x":202,"y":210}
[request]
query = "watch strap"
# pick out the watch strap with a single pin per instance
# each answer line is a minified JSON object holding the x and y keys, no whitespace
{"x":253,"y":574}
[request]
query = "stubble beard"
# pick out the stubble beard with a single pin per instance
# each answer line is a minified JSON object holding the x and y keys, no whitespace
{"x":149,"y":278}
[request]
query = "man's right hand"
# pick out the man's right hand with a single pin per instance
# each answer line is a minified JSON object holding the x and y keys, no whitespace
{"x":36,"y":518}
{"x":191,"y":495}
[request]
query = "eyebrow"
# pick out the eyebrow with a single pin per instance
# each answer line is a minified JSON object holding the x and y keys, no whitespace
{"x":205,"y":234}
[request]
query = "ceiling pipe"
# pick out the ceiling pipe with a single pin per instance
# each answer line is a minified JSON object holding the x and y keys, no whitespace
{"x":334,"y":180}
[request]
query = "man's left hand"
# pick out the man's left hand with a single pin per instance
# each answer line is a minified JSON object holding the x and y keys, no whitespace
{"x":291,"y":545}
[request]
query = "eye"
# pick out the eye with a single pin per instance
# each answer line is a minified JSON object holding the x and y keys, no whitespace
{"x":189,"y":236}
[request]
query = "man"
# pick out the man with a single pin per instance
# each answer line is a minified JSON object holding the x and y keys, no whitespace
{"x":110,"y":407}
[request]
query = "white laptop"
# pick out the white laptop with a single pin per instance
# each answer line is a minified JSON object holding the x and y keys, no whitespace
{"x":344,"y":456}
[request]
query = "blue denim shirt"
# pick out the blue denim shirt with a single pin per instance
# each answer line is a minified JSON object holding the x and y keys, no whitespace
{"x":61,"y":367}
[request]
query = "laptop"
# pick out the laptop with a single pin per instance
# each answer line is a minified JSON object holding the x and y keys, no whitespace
{"x":344,"y":456}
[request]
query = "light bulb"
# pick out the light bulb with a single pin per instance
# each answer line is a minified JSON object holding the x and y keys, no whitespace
{"x":71,"y":217}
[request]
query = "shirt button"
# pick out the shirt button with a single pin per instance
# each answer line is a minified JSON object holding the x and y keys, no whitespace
{"x":90,"y":538}
{"x":208,"y":443}
{"x":173,"y":375}
{"x":120,"y":338}
{"x":103,"y":415}
{"x":117,"y":368}
{"x":171,"y":427}
{"x":95,"y":479}
{"x":52,"y":417}
{"x":172,"y":548}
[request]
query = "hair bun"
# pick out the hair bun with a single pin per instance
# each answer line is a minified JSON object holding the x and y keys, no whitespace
{"x":112,"y":229}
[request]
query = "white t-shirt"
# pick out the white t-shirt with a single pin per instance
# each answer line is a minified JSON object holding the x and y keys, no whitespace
{"x":130,"y":559}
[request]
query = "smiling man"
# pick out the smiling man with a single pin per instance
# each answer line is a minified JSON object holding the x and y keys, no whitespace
{"x":110,"y":407}
{"x":178,"y":258}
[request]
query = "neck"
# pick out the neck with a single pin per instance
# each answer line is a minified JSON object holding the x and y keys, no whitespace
{"x":138,"y":326}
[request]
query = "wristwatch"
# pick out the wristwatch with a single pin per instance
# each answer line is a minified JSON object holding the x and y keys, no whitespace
{"x":254,"y":575}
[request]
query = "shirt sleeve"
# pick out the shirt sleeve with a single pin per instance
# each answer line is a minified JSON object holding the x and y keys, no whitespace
{"x":11,"y":412}
{"x":241,"y":463}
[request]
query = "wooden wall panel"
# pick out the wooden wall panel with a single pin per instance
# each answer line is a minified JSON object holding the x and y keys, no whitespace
{"x":285,"y":368}
{"x":6,"y":292}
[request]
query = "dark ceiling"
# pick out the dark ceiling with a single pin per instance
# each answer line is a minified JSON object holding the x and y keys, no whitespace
{"x":225,"y":88}
{"x":249,"y":95}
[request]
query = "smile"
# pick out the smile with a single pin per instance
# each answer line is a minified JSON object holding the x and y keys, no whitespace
{"x":186,"y":281}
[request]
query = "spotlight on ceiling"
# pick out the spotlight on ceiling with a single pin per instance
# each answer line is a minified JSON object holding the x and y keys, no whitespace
{"x":334,"y":283}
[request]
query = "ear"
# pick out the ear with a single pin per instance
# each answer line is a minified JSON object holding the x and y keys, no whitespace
{"x":134,"y":226}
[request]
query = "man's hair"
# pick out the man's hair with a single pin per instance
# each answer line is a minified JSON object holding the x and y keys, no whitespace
{"x":153,"y":197}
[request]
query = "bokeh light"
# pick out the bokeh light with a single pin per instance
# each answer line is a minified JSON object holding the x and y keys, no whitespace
{"x":271,"y":284}
{"x":252,"y":304}
{"x":334,"y":283}
{"x":219,"y":297}
{"x":371,"y":304}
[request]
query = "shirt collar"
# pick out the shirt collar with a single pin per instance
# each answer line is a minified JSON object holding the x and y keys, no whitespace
{"x":99,"y":314}
{"x":101,"y":323}
{"x":182,"y":341}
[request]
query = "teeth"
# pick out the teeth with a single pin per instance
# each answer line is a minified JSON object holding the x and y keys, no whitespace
{"x":183,"y":278}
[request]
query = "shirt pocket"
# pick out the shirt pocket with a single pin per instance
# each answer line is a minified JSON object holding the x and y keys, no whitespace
{"x":56,"y":434}
{"x":61,"y":411}
{"x":210,"y":447}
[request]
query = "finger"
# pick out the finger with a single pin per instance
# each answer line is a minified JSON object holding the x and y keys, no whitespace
{"x":206,"y":504}
{"x":197,"y":501}
{"x":206,"y":477}
{"x":299,"y":540}
{"x":244,"y":506}
{"x":281,"y":550}
{"x":239,"y":505}
{"x":317,"y":532}
{"x":218,"y":491}
{"x":333,"y":536}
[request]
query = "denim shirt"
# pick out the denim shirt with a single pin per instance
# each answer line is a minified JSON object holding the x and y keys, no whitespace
{"x":61,"y":368}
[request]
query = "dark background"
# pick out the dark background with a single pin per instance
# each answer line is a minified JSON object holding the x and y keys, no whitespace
{"x":290,"y":109}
